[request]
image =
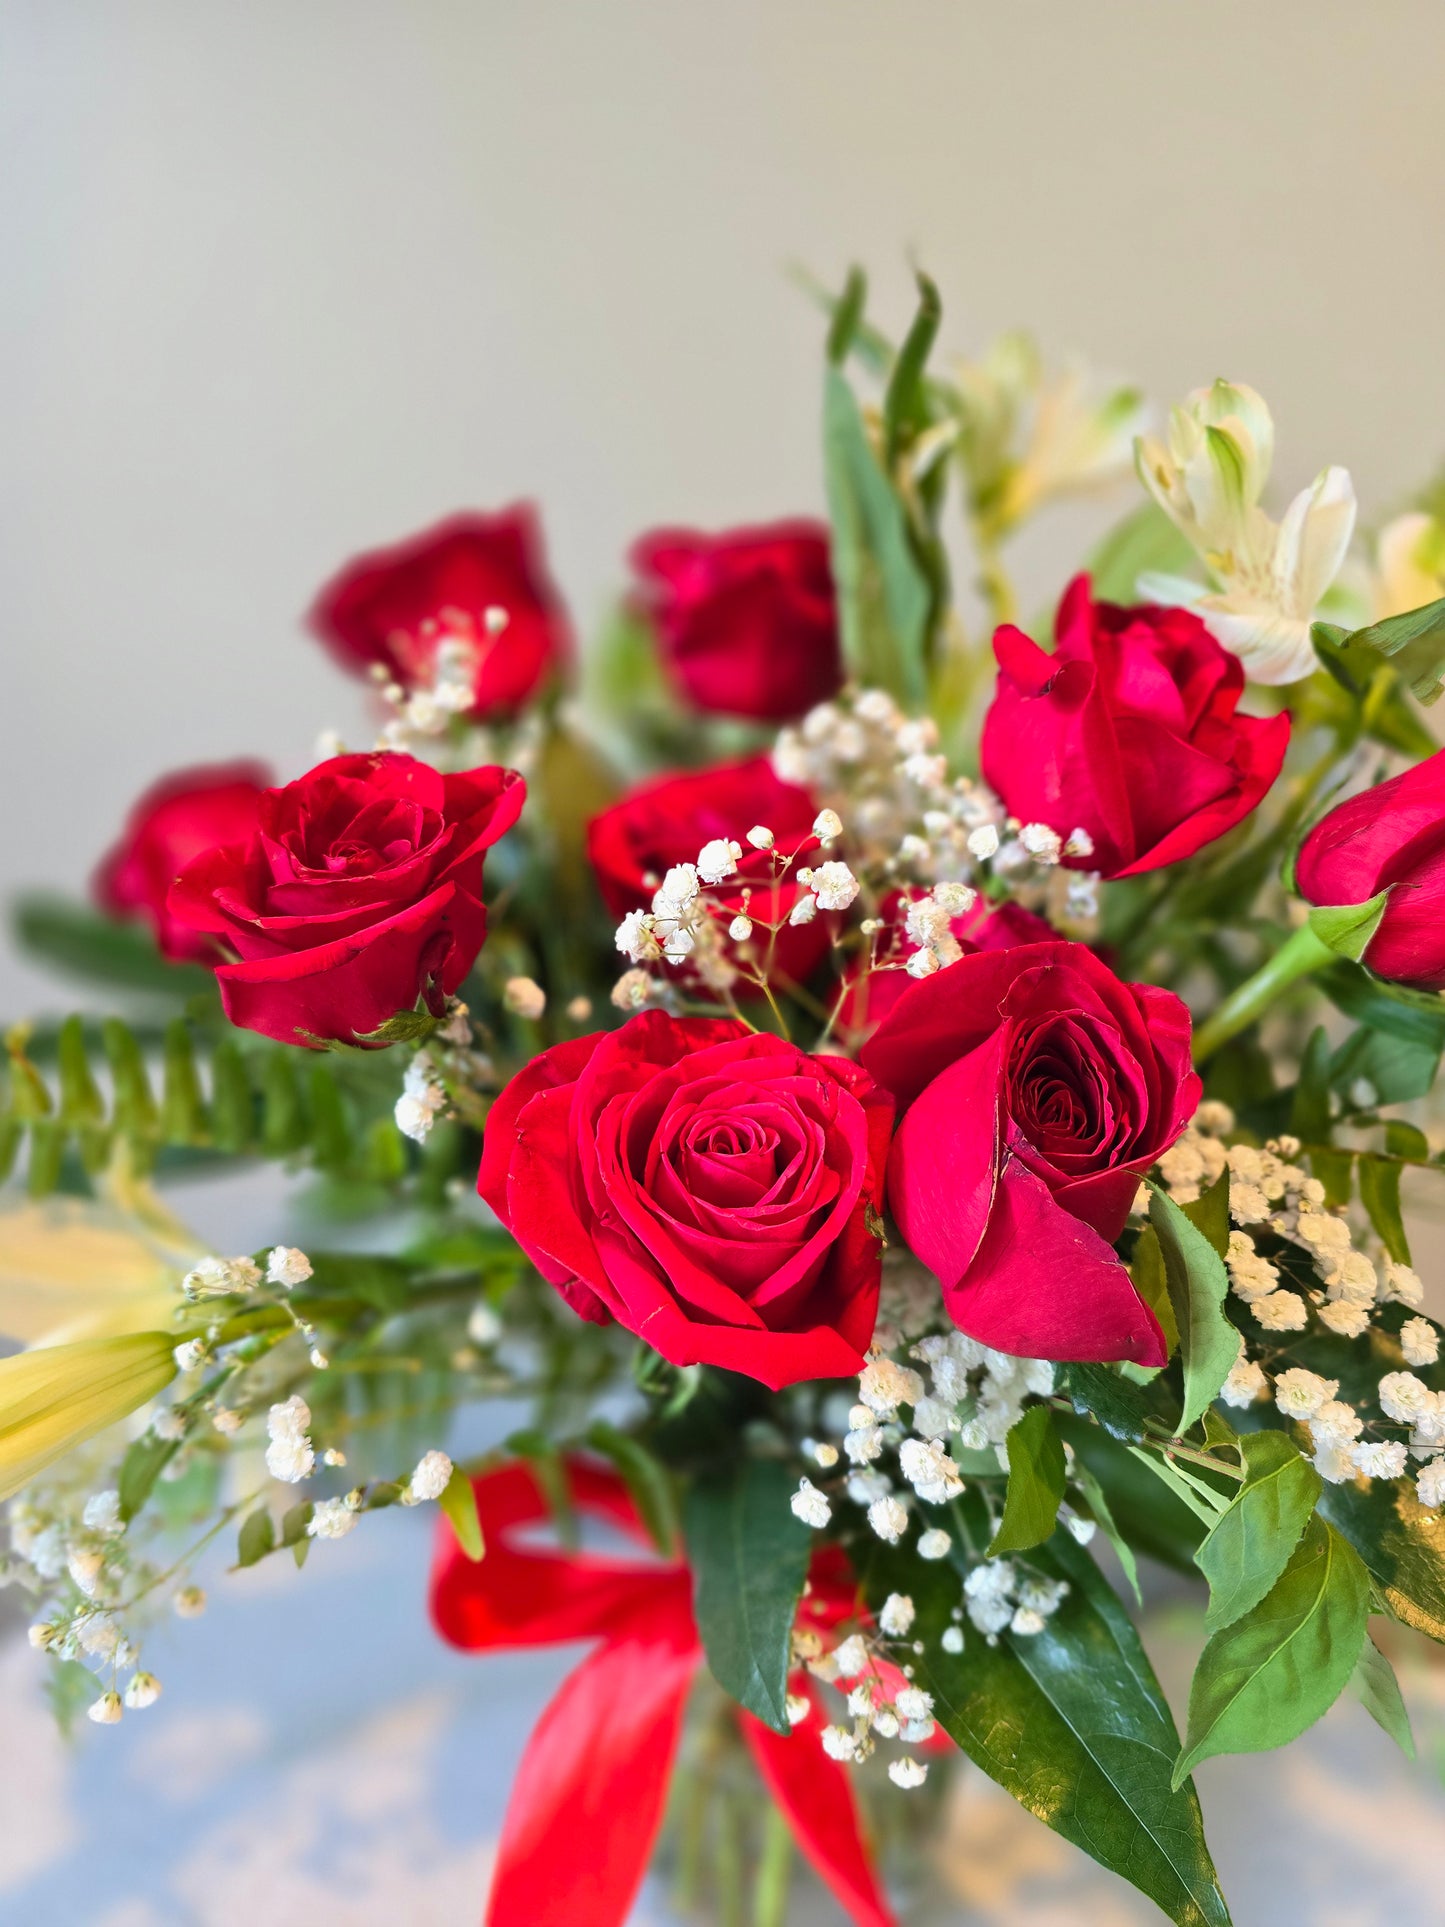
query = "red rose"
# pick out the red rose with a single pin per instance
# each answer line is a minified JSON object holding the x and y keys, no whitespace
{"x":396,"y":605}
{"x":184,"y":813}
{"x":634,"y":844}
{"x":746,"y":620}
{"x":1128,"y":731}
{"x":985,"y":926}
{"x":358,"y":889}
{"x":706,"y":1186}
{"x":1391,"y":837}
{"x":1038,"y":1089}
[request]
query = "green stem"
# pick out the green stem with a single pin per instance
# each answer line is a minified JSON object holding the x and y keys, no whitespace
{"x":1300,"y":955}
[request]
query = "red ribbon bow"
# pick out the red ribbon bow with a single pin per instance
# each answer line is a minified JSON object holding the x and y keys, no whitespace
{"x":588,"y":1799}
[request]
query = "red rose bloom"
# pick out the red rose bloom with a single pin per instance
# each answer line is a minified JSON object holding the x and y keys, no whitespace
{"x":1038,"y":1090}
{"x":184,"y":813}
{"x":707,"y":1186}
{"x":396,"y":605}
{"x":634,"y":844}
{"x":1129,"y":732}
{"x":746,"y":621}
{"x":357,"y":890}
{"x":1391,"y":837}
{"x":985,"y":926}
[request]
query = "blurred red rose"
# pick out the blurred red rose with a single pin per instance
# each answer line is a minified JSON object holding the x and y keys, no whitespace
{"x":1129,"y":732}
{"x":1389,"y":837}
{"x":187,"y":812}
{"x":745,"y":620}
{"x":357,"y":890}
{"x":707,"y":1186}
{"x":637,"y":841}
{"x":1035,"y":1090}
{"x":397,"y":605}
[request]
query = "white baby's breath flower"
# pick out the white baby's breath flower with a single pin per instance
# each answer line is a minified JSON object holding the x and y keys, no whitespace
{"x":1430,"y":1483}
{"x":189,"y":1602}
{"x":810,"y":1505}
{"x":143,"y":1690}
{"x":431,"y":1477}
{"x":889,"y":1519}
{"x":741,"y":928}
{"x":896,"y":1615}
{"x":287,"y":1267}
{"x":331,"y":1519}
{"x":637,"y":939}
{"x":1379,"y":1461}
{"x":804,"y":910}
{"x":1300,"y":1394}
{"x":1420,"y":1341}
{"x":524,"y":997}
{"x":761,"y":837}
{"x":106,"y":1710}
{"x":907,"y":1772}
{"x":827,"y":825}
{"x":718,"y":860}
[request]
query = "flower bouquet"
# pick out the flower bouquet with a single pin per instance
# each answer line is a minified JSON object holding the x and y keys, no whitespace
{"x":916,"y":1108}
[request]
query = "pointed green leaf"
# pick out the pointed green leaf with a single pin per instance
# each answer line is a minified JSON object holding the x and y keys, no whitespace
{"x":183,"y":1110}
{"x":905,"y":401}
{"x":1400,"y":1543}
{"x":1346,"y":928}
{"x":1097,"y":1390}
{"x":1103,"y":1517}
{"x":749,"y":1558}
{"x":1146,"y":1268}
{"x":145,"y":1459}
{"x":257,"y":1537}
{"x":1380,"y":1195}
{"x":1035,"y":1483}
{"x":1209,"y":1212}
{"x":1198,"y":1282}
{"x":1244,"y":1553}
{"x":1379,"y":1693}
{"x":1415,"y":643}
{"x":1070,"y":1721}
{"x":80,"y":1098}
{"x":648,"y":1481}
{"x":1262,"y":1680}
{"x":459,"y":1502}
{"x":884,"y":598}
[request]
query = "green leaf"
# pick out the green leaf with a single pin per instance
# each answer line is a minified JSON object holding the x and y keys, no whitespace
{"x":459,"y":1502}
{"x":1144,"y":543}
{"x":1380,"y":1195}
{"x":135,"y":1107}
{"x":233,"y":1112}
{"x":749,"y":1558}
{"x":1146,"y":1268}
{"x":1209,"y":1212}
{"x":145,"y":1459}
{"x":1379,"y":1693}
{"x":1417,"y":1016}
{"x":1103,"y":1517}
{"x":905,"y":400}
{"x":648,"y":1481}
{"x":1309,"y":1117}
{"x":884,"y":598}
{"x":1035,"y":1483}
{"x":80,"y":1099}
{"x":1198,"y":1282}
{"x":847,"y":316}
{"x":1395,"y":1069}
{"x":256,"y":1538}
{"x":1399,"y":1542}
{"x":1153,"y":1520}
{"x":1101,"y":1393}
{"x":406,"y":1027}
{"x":1262,"y":1680}
{"x":1070,"y":1721}
{"x":294,"y":1522}
{"x":183,"y":1110}
{"x":1201,"y":1498}
{"x":1346,"y":928}
{"x":1415,"y":644}
{"x":1248,"y":1548}
{"x":283,"y":1123}
{"x":1380,"y":707}
{"x":86,"y":944}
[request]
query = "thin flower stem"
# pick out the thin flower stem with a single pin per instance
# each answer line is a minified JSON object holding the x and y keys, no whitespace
{"x":1300,"y":955}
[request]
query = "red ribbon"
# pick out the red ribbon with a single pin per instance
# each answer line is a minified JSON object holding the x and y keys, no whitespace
{"x":588,"y":1799}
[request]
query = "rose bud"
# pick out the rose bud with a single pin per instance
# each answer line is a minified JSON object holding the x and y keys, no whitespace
{"x":1391,"y":837}
{"x":745,"y":621}
{"x":358,"y":890}
{"x":634,"y":844}
{"x":1129,"y":732}
{"x":1035,"y":1090}
{"x":187,"y":812}
{"x":710,"y":1188}
{"x":453,"y":584}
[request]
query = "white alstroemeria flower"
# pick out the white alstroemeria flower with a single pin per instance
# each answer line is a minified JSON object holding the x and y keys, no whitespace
{"x":1409,"y":565}
{"x":1270,"y":576}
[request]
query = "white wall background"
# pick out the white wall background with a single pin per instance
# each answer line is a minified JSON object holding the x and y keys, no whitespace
{"x":284,"y":279}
